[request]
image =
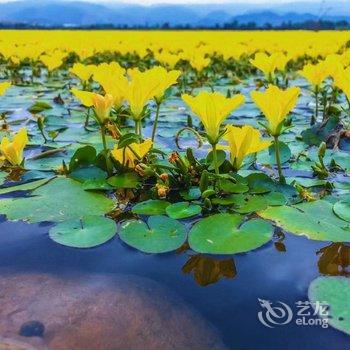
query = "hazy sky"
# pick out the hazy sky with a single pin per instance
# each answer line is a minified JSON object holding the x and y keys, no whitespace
{"x":150,"y":2}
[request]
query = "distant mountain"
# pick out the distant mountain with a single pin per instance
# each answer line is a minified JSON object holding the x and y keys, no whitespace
{"x":78,"y":13}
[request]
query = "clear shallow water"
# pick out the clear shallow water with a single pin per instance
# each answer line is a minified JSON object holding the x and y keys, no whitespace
{"x":225,"y":311}
{"x":230,"y":305}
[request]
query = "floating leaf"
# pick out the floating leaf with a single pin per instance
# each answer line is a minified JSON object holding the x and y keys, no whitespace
{"x":126,"y":180}
{"x":91,"y":173}
{"x":39,"y":107}
{"x":192,"y":194}
{"x":61,"y":199}
{"x":269,"y":156}
{"x":96,"y":185}
{"x":222,"y":234}
{"x":231,"y":187}
{"x":334,"y":291}
{"x":162,"y":234}
{"x":29,"y":186}
{"x":182,"y":210}
{"x":151,"y":207}
{"x":315,"y":220}
{"x":342,"y":209}
{"x":86,"y":232}
{"x":82,"y":157}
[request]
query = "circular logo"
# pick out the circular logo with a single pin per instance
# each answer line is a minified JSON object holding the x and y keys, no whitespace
{"x":274,"y":315}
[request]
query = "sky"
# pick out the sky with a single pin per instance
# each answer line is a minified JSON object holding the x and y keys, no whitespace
{"x":151,"y":2}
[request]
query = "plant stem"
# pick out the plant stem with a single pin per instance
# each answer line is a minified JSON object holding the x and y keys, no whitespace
{"x":315,"y":116}
{"x":156,"y":122}
{"x":87,"y":118}
{"x":138,"y":127}
{"x":103,"y":135}
{"x":215,"y":159}
{"x":278,"y":160}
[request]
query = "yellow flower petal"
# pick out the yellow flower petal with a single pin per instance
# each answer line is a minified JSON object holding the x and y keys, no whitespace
{"x":276,"y":104}
{"x":212,"y":108}
{"x":85,"y":97}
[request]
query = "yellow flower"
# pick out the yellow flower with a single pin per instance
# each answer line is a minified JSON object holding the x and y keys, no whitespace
{"x":111,"y":69}
{"x":315,"y":73}
{"x":242,"y":142}
{"x":139,"y":91}
{"x":333,"y":65}
{"x":167,"y":58}
{"x":269,"y":64}
{"x":85,"y":97}
{"x":13,"y":151}
{"x":342,"y":81}
{"x":52,"y":62}
{"x":4,"y":86}
{"x":162,"y":80}
{"x":276,"y":104}
{"x":212,"y":108}
{"x":128,"y":156}
{"x":83,"y":72}
{"x":199,"y":62}
{"x":102,"y":106}
{"x":113,"y":82}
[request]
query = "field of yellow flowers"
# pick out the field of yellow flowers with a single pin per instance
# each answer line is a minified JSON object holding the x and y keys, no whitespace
{"x":199,"y":140}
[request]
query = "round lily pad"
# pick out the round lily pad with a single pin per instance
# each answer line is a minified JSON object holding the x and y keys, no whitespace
{"x":87,"y":232}
{"x":182,"y":210}
{"x":334,"y":291}
{"x":342,"y":209}
{"x":315,"y":220}
{"x":160,"y":235}
{"x":150,"y":207}
{"x":127,"y":180}
{"x":59,"y":200}
{"x":227,"y":234}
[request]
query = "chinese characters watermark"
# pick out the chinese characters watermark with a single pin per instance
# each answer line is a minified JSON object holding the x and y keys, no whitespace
{"x":306,"y":313}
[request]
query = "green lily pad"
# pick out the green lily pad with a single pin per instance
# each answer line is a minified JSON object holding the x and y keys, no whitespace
{"x":231,"y":187}
{"x":25,"y":187}
{"x":269,"y":156}
{"x":334,"y":291}
{"x":97,"y":185}
{"x":191,"y":194}
{"x":86,"y":232}
{"x":60,"y":200}
{"x":160,"y":235}
{"x":91,"y":173}
{"x":127,"y":180}
{"x":183,"y":210}
{"x":222,"y":234}
{"x":39,"y":107}
{"x":83,"y":156}
{"x":151,"y":207}
{"x":314,"y":220}
{"x":342,"y":209}
{"x":252,"y":204}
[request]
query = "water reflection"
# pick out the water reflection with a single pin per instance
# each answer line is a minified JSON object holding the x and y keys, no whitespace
{"x":334,"y":260}
{"x":207,"y":270}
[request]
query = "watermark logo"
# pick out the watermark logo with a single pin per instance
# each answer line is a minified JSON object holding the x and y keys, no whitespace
{"x":275,"y":314}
